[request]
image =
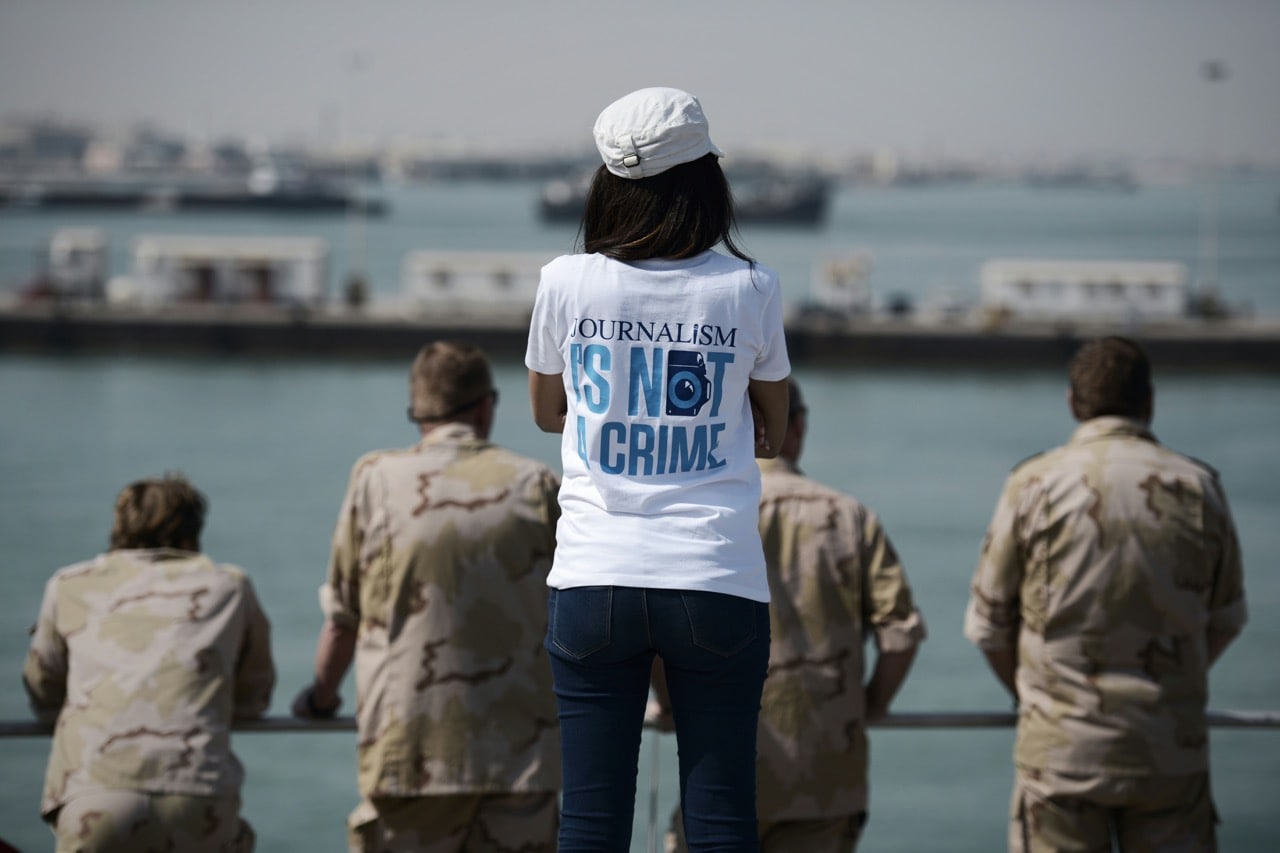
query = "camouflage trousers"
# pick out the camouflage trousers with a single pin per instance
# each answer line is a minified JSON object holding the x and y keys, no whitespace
{"x":116,"y":820}
{"x":456,"y":823}
{"x":819,"y":835}
{"x":1061,"y":813}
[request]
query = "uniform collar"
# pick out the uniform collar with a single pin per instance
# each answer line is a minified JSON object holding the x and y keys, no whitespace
{"x":153,"y":555}
{"x":777,"y":464}
{"x":1112,"y":426}
{"x":446,"y":433}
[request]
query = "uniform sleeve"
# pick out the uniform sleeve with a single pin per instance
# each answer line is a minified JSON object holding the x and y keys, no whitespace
{"x":993,"y":616}
{"x":1227,"y":611}
{"x":340,"y":595}
{"x":772,"y":363}
{"x":44,"y":674}
{"x":550,"y":497}
{"x":892,"y":615}
{"x":543,"y":353}
{"x":255,"y":670}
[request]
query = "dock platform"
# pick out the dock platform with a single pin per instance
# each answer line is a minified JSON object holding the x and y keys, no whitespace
{"x":384,"y":332}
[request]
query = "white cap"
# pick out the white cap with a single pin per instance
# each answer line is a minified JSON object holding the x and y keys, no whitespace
{"x":649,"y":131}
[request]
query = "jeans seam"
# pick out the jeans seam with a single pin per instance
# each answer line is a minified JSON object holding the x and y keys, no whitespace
{"x":648,"y":627}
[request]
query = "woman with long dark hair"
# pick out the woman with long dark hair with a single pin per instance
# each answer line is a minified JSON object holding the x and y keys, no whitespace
{"x":662,"y":363}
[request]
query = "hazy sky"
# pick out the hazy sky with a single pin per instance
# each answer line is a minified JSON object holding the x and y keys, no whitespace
{"x":929,"y":77}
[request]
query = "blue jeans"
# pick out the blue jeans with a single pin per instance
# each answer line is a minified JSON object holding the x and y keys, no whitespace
{"x":715,"y":649}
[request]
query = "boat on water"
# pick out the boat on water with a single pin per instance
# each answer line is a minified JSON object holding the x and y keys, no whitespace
{"x":1117,"y":178}
{"x":258,"y":192}
{"x":761,"y":196}
{"x":1119,"y":291}
{"x":215,"y":295}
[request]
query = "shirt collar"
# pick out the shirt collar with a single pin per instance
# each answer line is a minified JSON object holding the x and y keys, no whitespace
{"x":1112,"y":426}
{"x":662,"y":264}
{"x":777,"y":464}
{"x":450,"y":432}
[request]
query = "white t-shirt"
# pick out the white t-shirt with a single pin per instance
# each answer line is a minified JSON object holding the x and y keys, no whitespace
{"x":660,"y":485}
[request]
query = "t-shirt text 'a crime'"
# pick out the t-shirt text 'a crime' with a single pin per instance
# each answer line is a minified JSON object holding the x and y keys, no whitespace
{"x":670,"y":371}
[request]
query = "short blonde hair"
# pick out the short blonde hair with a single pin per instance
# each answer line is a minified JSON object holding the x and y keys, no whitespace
{"x":448,"y":377}
{"x":160,"y":512}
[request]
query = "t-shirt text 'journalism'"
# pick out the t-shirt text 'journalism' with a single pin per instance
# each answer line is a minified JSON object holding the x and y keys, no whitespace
{"x":661,"y":375}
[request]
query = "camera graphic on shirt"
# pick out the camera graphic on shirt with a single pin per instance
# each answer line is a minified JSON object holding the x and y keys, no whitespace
{"x":688,"y":388}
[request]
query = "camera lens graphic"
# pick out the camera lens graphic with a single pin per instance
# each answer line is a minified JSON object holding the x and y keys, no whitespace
{"x":687,"y":385}
{"x":684,"y":389}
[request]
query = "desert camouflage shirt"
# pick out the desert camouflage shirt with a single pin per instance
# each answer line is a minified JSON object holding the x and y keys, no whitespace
{"x":1107,"y":562}
{"x":834,"y":579}
{"x":143,"y":657}
{"x":440,"y":562}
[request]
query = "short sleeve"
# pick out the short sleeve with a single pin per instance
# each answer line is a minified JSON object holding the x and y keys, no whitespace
{"x":543,"y":354}
{"x":255,"y":670}
{"x":340,"y":595}
{"x":1227,"y":611}
{"x":993,"y":616}
{"x":44,"y":675}
{"x":772,"y":362}
{"x":892,"y":616}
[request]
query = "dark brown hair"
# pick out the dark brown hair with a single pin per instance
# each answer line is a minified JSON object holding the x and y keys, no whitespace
{"x":447,"y":378}
{"x":160,"y":512}
{"x":678,"y":213}
{"x":1110,"y":376}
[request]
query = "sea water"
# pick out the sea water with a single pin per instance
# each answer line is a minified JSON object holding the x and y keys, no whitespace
{"x":271,"y":442}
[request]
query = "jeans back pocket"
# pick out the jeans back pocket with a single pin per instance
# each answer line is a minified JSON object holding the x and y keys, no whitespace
{"x":719,"y":623}
{"x":580,"y":619}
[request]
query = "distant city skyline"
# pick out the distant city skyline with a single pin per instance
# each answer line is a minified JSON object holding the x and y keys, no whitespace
{"x":929,"y":78}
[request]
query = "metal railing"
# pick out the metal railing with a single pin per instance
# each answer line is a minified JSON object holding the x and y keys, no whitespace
{"x":899,"y":720}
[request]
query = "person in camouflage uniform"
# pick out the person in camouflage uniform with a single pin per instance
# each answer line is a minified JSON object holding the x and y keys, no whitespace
{"x":437,"y":587}
{"x":141,"y":658}
{"x":1110,"y":580}
{"x":834,"y":577}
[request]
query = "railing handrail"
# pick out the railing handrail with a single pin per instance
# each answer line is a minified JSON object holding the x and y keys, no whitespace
{"x":898,"y":720}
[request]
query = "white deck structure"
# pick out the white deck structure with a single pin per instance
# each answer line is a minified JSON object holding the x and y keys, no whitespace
{"x":1113,"y":291}
{"x":472,"y":284}
{"x":169,"y":268}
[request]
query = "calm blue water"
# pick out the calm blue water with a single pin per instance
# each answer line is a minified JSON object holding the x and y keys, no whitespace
{"x":271,"y":443}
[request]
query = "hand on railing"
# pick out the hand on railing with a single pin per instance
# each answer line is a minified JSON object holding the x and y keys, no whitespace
{"x":658,"y":717}
{"x":305,"y":706}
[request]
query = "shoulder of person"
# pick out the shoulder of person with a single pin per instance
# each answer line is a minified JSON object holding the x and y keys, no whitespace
{"x":525,"y":463}
{"x":68,"y":579}
{"x":761,"y":276}
{"x":565,"y":259}
{"x":371,"y":459}
{"x":562,"y":264}
{"x":1205,"y":468}
{"x":79,"y":569}
{"x":231,"y":571}
{"x":781,"y":480}
{"x":1034,"y":458}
